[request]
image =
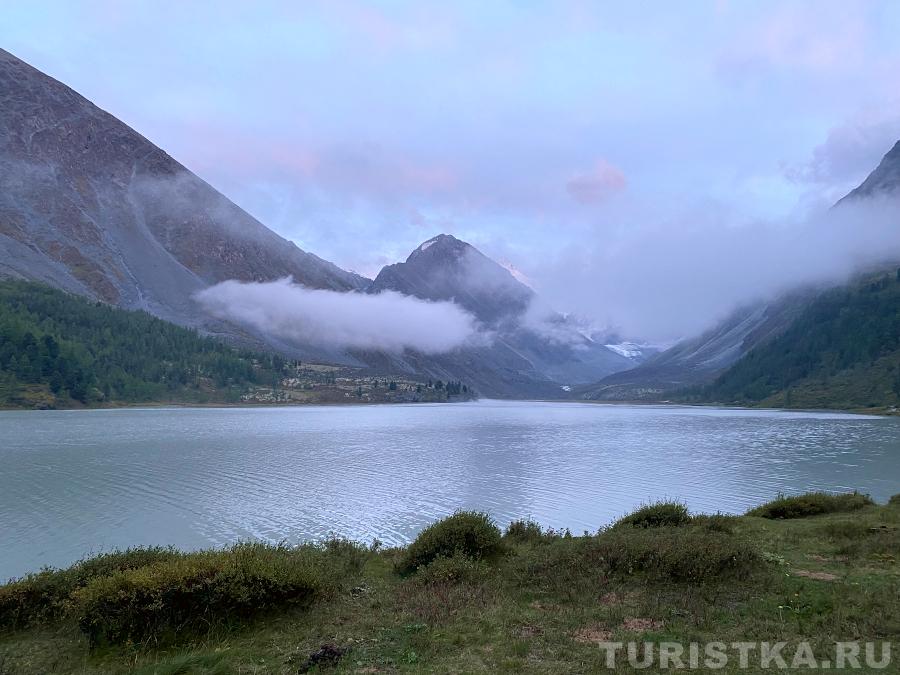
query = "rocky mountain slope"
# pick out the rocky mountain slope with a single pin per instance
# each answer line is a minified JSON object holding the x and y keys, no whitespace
{"x":89,"y":205}
{"x":533,"y":356}
{"x":445,"y":268}
{"x":700,"y":360}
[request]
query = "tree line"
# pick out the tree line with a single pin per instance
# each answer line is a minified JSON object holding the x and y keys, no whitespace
{"x":89,"y":351}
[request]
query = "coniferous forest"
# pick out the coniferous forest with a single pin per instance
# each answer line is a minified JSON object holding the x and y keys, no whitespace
{"x":59,"y":349}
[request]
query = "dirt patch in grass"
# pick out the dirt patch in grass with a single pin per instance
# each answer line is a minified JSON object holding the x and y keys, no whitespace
{"x":639,"y":625}
{"x":592,"y":635}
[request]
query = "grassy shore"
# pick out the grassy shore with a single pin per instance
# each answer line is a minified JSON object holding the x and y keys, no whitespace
{"x":463,"y":598}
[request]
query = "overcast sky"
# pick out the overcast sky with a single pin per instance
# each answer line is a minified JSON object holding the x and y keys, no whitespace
{"x":359,"y":130}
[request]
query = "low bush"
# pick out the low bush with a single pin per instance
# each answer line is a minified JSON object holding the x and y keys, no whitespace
{"x":467,"y":533}
{"x":523,"y":531}
{"x":45,"y":595}
{"x":343,"y":556}
{"x":457,"y":569}
{"x":693,"y":554}
{"x":894,"y":501}
{"x":658,"y":514}
{"x":717,"y":522}
{"x":197,"y":591}
{"x":810,"y":504}
{"x":34,"y":598}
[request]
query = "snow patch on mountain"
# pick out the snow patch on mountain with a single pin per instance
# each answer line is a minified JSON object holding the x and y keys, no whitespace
{"x":518,"y":274}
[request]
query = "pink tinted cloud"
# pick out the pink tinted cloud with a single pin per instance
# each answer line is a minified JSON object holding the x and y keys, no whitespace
{"x":596,"y":185}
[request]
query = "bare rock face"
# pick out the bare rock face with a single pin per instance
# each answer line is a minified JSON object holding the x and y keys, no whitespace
{"x":446,"y":268}
{"x":90,"y":205}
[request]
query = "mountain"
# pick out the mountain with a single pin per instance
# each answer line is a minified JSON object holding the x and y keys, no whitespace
{"x":530,"y":354}
{"x":885,"y":179}
{"x":700,"y":360}
{"x":842,"y":351}
{"x":89,"y":205}
{"x":445,"y":268}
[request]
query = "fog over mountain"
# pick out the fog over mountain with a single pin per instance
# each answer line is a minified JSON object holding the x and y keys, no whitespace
{"x":386,"y":321}
{"x":678,"y":277}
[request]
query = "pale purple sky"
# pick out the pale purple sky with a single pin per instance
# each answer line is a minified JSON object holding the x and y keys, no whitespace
{"x":359,"y":130}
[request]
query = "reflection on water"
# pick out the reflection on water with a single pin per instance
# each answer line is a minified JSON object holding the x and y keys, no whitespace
{"x":73,"y":482}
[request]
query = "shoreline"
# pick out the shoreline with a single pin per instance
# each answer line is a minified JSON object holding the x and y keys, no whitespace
{"x":880,"y":412}
{"x":242,"y":404}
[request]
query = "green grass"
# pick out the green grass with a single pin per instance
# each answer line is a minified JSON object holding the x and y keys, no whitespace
{"x":539,"y":603}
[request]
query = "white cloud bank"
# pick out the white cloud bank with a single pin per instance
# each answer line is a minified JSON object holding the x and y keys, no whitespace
{"x":675,"y":279}
{"x":387,"y":321}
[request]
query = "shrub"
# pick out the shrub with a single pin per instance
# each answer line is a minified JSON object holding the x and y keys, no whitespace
{"x":717,"y":522}
{"x":895,"y":500}
{"x":344,"y":557}
{"x":693,"y":554}
{"x":45,"y":595}
{"x":455,"y":570}
{"x":523,"y":531}
{"x":34,"y":598}
{"x":197,"y":591}
{"x":658,"y":514}
{"x":130,"y":559}
{"x":810,"y":504}
{"x":466,"y":533}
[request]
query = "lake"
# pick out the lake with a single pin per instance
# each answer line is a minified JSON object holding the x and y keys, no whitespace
{"x":76,"y":482}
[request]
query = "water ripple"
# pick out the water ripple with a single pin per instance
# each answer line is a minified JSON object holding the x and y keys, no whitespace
{"x":77,"y":482}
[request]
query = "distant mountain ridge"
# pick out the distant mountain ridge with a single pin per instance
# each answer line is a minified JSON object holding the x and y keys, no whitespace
{"x":539,"y":355}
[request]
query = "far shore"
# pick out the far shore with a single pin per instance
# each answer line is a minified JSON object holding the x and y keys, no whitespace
{"x":867,"y":412}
